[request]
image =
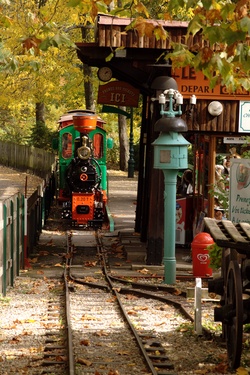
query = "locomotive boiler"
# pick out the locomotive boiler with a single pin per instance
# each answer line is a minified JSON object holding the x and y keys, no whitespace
{"x":82,"y":172}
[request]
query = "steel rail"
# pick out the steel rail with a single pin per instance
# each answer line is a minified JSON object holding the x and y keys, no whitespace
{"x":71,"y":359}
{"x":137,"y":337}
{"x":111,"y":287}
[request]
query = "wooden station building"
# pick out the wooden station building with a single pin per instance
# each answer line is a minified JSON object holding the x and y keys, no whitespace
{"x":215,"y":123}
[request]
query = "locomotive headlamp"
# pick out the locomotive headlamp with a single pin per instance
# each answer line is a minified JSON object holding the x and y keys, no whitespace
{"x":83,"y":152}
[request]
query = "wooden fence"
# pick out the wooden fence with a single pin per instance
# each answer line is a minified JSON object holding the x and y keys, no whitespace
{"x":22,"y":218}
{"x":25,"y":158}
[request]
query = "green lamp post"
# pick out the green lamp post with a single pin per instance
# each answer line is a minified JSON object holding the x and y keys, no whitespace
{"x":170,"y":155}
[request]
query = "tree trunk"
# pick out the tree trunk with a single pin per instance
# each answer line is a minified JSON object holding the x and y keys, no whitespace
{"x":40,"y":110}
{"x":87,"y":74}
{"x":88,"y":88}
{"x":39,"y":131}
{"x":123,"y":139}
{"x":123,"y":135}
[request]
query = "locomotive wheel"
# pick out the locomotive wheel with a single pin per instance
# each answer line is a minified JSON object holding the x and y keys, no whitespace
{"x":234,"y":325}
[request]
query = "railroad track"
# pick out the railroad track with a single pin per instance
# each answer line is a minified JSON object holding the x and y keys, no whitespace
{"x":107,"y":322}
{"x":117,"y":321}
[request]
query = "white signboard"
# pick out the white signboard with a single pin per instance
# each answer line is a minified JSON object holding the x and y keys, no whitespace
{"x":235,"y":140}
{"x":239,"y":209}
{"x":244,"y":117}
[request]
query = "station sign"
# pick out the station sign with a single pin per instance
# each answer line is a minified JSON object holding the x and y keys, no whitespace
{"x":235,"y":140}
{"x":239,"y":207}
{"x":244,"y":117}
{"x":118,"y":93}
{"x":195,"y":83}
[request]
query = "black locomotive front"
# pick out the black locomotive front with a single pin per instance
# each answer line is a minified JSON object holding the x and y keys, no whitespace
{"x":81,"y":176}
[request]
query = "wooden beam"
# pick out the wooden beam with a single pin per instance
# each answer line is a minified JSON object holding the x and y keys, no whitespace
{"x":211,"y":173}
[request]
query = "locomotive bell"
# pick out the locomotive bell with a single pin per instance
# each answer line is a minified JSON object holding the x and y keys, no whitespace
{"x":85,"y":122}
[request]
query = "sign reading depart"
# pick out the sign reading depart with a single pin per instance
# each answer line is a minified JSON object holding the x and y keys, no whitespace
{"x":118,"y":93}
{"x":195,"y":83}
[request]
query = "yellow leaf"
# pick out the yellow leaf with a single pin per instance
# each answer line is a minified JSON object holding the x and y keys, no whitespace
{"x":101,"y":333}
{"x":141,"y":308}
{"x":90,"y":264}
{"x":241,"y":371}
{"x":132,"y":312}
{"x":123,"y":352}
{"x":43,"y":253}
{"x":85,"y":342}
{"x":144,"y":271}
{"x":34,"y":260}
{"x":89,"y":279}
{"x":177,"y":292}
{"x":83,"y":361}
{"x":119,"y":249}
{"x":140,"y":7}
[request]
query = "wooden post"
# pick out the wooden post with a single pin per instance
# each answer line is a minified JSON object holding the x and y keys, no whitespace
{"x":211,"y":173}
{"x":197,"y":301}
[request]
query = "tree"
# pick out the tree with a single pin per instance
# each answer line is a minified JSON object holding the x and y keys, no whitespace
{"x":38,"y":64}
{"x":223,"y":52}
{"x":123,"y":140}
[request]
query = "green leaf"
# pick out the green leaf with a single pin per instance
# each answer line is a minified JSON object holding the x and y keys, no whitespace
{"x":242,"y":52}
{"x":4,"y":21}
{"x":213,"y":34}
{"x":180,"y":57}
{"x":227,"y":11}
{"x":230,"y":36}
{"x":195,"y":25}
{"x":174,"y":4}
{"x":244,"y":83}
{"x":45,"y":44}
{"x":245,"y":24}
{"x":207,"y":4}
{"x":35,"y":66}
{"x":74,"y":3}
{"x":56,"y":41}
{"x":109,"y":57}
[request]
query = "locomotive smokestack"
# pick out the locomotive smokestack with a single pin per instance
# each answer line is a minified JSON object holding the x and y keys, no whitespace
{"x":85,"y":122}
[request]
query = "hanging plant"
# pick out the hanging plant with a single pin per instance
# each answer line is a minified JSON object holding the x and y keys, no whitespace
{"x":220,"y":192}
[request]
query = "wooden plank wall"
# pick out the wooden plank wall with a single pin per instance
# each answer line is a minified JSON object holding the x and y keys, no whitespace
{"x":199,"y":119}
{"x":111,"y":32}
{"x":116,"y":36}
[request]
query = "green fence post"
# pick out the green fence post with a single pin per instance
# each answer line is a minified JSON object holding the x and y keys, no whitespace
{"x":23,"y":229}
{"x":4,"y":249}
{"x":12,"y":243}
{"x":17,"y":235}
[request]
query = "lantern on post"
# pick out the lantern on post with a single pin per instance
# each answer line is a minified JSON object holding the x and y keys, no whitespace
{"x":170,"y":155}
